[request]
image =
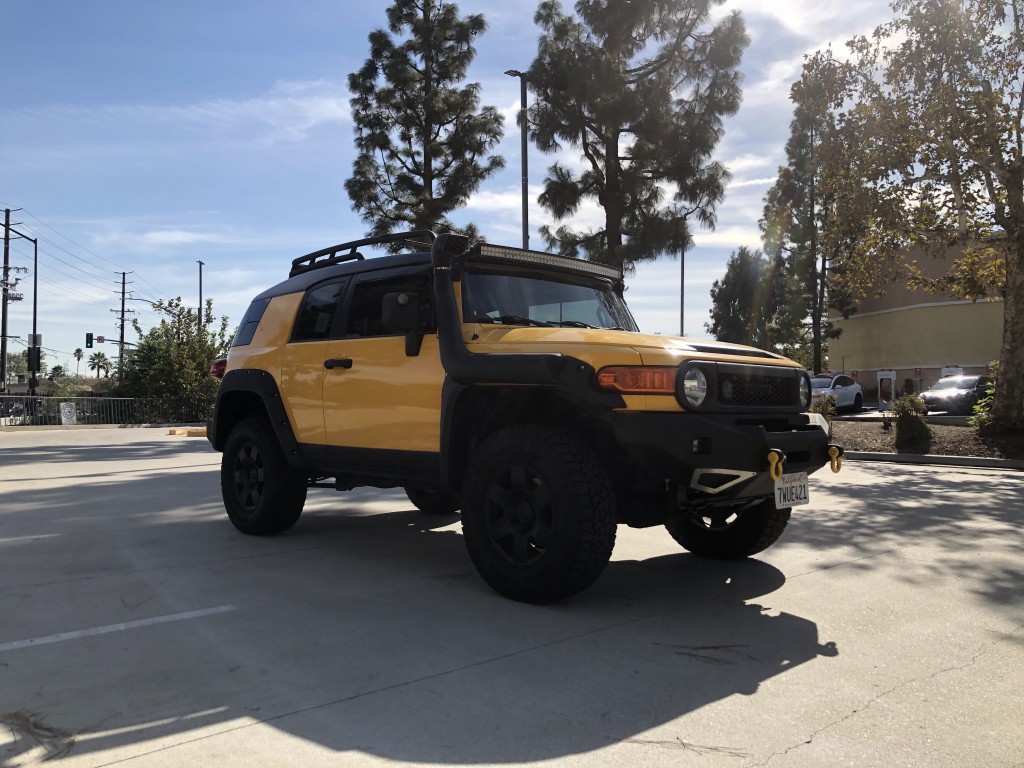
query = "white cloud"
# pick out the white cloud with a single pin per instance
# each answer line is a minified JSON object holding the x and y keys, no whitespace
{"x":289,"y":112}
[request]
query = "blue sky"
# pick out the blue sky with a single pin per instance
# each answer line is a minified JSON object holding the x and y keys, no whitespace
{"x":142,"y":137}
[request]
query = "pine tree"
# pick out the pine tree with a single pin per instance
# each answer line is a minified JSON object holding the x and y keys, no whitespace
{"x":640,"y":88}
{"x":422,"y":140}
{"x":809,"y":225}
{"x":741,"y":308}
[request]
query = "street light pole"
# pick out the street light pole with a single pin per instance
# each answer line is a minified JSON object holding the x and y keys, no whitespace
{"x":199,"y":321}
{"x":35,"y":308}
{"x":522,"y":151}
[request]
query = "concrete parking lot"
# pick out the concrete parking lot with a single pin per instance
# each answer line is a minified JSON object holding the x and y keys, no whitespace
{"x":137,"y":627}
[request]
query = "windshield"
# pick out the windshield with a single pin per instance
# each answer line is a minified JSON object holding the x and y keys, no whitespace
{"x":955,"y":383}
{"x":821,"y":382}
{"x":548,"y":300}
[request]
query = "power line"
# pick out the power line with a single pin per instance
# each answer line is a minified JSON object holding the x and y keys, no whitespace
{"x":71,"y":266}
{"x":120,"y":267}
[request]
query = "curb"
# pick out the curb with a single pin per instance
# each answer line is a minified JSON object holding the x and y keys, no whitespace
{"x":980,"y":462}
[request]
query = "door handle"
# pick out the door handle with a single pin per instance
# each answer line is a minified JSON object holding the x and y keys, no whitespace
{"x":342,"y":363}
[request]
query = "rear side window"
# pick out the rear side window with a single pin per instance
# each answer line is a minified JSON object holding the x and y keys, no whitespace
{"x":316,"y":315}
{"x":250,"y":322}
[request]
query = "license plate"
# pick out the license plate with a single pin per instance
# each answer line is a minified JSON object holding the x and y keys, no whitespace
{"x":791,"y":490}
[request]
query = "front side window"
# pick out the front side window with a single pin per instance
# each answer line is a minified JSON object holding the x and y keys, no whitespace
{"x":366,"y":313}
{"x":535,"y":299}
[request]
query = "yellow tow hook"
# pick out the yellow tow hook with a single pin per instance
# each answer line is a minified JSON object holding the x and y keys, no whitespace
{"x":776,"y":459}
{"x":835,"y":457}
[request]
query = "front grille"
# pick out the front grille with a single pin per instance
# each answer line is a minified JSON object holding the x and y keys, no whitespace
{"x":756,"y":387}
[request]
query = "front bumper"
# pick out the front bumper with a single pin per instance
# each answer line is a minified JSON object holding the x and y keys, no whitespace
{"x":719,"y":457}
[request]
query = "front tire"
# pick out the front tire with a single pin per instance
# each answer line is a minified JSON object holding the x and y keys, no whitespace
{"x":539,"y":514}
{"x":722,"y":535}
{"x":262,"y":494}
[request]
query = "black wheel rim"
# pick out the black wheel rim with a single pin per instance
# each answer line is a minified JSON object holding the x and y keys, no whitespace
{"x":249,"y":476}
{"x":519,"y":514}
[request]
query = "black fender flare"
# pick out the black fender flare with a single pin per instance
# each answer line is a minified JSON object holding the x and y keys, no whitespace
{"x":252,"y":382}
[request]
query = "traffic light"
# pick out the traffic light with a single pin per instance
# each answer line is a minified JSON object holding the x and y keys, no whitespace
{"x":88,"y":341}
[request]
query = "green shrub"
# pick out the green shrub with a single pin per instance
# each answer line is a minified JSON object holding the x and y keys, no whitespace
{"x":911,"y":428}
{"x":826,"y":406}
{"x":981,"y":417}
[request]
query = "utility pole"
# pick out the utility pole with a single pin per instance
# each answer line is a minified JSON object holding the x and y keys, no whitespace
{"x":4,"y":284}
{"x":199,"y":315}
{"x":33,"y":353}
{"x":124,"y":312}
{"x":120,"y":341}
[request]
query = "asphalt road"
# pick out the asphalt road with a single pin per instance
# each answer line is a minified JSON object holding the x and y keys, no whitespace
{"x":137,"y":627}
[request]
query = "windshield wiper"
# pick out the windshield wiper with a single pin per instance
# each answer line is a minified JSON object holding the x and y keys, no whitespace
{"x":574,"y":324}
{"x":520,"y":320}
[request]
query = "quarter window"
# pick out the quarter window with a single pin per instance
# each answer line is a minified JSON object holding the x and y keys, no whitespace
{"x":250,"y":322}
{"x":316,"y":315}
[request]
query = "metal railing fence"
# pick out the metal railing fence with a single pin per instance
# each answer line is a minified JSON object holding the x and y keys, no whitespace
{"x":17,"y":410}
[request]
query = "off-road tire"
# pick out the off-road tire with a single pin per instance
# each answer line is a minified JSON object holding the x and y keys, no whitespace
{"x":753,"y":531}
{"x":433,"y":502}
{"x":538,"y":516}
{"x":262,"y":494}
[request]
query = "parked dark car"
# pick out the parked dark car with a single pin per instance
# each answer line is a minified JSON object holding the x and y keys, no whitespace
{"x":956,"y":394}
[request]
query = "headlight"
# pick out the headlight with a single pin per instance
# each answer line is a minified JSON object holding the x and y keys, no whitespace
{"x":695,"y":387}
{"x":805,"y":392}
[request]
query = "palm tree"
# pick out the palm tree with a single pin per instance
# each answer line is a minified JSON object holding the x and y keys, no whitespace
{"x":79,"y":354}
{"x":99,"y":362}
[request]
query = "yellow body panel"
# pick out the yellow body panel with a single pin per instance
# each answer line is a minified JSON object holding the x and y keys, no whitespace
{"x":389,"y":400}
{"x":386,"y":399}
{"x":602,"y":347}
{"x":302,"y":387}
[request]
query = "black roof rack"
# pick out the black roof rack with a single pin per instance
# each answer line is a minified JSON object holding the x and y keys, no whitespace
{"x":328,"y":256}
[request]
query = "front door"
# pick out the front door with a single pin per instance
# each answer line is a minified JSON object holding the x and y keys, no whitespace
{"x":377,"y":395}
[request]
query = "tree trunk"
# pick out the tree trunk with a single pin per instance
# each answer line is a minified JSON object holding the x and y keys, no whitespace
{"x":1008,"y":408}
{"x":613,"y":201}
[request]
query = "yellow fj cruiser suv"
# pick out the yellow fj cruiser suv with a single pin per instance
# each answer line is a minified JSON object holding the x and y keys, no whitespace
{"x":512,"y":385}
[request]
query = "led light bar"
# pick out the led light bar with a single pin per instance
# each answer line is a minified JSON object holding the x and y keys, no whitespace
{"x":520,"y":256}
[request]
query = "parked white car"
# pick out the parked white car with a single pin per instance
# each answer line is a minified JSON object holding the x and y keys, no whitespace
{"x":847,"y":392}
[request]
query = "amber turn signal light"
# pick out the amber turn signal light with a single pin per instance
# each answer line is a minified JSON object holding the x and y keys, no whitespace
{"x":638,"y":380}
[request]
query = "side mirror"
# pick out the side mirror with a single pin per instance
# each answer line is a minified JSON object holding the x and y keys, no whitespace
{"x":401,"y":312}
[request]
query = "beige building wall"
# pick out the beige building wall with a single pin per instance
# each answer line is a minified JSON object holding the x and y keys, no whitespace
{"x":909,"y":329}
{"x":926,"y":336}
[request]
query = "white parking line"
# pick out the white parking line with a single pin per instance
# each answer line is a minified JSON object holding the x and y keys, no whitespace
{"x":29,"y":538}
{"x":18,"y":644}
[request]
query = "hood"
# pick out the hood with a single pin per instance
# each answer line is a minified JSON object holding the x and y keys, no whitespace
{"x":652,"y":348}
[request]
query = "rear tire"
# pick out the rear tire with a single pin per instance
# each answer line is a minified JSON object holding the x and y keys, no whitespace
{"x":433,"y":502}
{"x":753,"y":530}
{"x":539,"y":514}
{"x":262,"y":493}
{"x":858,"y":404}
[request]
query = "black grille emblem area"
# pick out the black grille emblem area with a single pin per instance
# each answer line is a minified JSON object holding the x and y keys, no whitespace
{"x":756,"y":387}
